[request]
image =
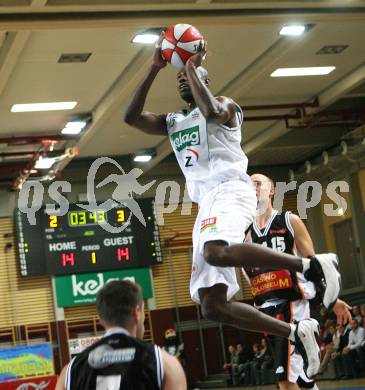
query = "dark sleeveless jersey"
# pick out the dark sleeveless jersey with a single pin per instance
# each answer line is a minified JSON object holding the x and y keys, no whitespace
{"x":117,"y":361}
{"x":268,"y":283}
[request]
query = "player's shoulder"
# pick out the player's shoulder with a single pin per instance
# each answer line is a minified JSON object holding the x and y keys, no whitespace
{"x":230,"y":102}
{"x":232,"y":105}
{"x":293,"y":217}
{"x":225,"y":99}
{"x":295,"y":221}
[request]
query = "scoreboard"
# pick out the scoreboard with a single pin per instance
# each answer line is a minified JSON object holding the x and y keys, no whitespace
{"x":78,"y":242}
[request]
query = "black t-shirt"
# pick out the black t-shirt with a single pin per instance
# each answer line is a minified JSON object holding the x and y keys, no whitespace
{"x":116,"y":362}
{"x":344,"y":340}
{"x":327,"y":339}
{"x":244,"y":356}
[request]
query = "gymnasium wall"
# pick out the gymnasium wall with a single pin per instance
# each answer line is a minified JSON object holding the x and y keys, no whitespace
{"x":26,"y":302}
{"x":329,"y":221}
{"x":351,"y":244}
{"x":362,"y":187}
{"x":30,"y":300}
{"x":23,"y":300}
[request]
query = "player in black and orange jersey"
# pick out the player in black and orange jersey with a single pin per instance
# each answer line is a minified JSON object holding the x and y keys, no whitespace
{"x":283,"y":294}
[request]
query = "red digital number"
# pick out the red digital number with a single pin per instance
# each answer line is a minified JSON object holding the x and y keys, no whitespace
{"x":68,"y":258}
{"x":123,"y":253}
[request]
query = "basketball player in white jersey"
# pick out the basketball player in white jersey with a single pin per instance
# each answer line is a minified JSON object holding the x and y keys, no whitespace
{"x":206,"y":139}
{"x":287,"y":298}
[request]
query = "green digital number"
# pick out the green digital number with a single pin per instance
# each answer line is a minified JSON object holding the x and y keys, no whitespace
{"x":92,"y":216}
{"x":73,"y":218}
{"x":82,"y":217}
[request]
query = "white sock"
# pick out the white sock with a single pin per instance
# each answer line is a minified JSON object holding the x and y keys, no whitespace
{"x":306,"y":264}
{"x":292,"y":331}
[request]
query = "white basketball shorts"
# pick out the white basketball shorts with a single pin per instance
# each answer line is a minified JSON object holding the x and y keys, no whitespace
{"x":225,"y":213}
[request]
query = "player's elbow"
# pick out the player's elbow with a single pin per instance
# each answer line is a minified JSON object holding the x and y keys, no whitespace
{"x":130,"y":119}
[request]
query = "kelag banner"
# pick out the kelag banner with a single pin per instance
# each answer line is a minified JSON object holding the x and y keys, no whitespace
{"x":26,"y":362}
{"x":81,"y":289}
{"x":42,"y":383}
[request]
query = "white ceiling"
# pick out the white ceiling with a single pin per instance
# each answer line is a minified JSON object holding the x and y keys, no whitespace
{"x":243,"y":49}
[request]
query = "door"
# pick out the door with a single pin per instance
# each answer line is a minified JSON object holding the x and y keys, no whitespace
{"x":193,"y":357}
{"x":347,"y":253}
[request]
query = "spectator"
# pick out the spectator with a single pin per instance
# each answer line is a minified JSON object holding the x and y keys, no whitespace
{"x":362,"y":312}
{"x":352,"y":352}
{"x":326,"y":317}
{"x":244,"y":353}
{"x":331,"y":342}
{"x":247,"y":376}
{"x":262,"y":361}
{"x":172,"y":343}
{"x":232,"y":365}
{"x":356,"y":314}
{"x":244,"y":356}
{"x":337,"y":355}
{"x":328,"y":347}
{"x":328,"y":333}
{"x":267,"y":362}
{"x":267,"y":358}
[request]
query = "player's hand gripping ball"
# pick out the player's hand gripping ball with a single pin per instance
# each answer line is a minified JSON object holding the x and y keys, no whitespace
{"x":180,"y":43}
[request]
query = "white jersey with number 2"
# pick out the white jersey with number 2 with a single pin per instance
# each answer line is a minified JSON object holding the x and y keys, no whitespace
{"x":208,"y":153}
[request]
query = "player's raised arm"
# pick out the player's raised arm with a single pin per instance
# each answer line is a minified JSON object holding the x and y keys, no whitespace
{"x":215,"y":109}
{"x":134,"y":115}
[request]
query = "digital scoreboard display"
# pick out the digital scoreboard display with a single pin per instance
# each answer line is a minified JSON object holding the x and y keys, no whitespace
{"x":79,"y":241}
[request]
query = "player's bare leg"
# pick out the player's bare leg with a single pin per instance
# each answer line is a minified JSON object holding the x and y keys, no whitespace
{"x":216,"y":308}
{"x":240,"y":315}
{"x":321,"y":269}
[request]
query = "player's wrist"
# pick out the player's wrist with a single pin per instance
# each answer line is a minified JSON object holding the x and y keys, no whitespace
{"x":155,"y":68}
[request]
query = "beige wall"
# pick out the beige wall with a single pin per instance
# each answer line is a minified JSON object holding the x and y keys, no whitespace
{"x":362,"y":186}
{"x":329,"y":221}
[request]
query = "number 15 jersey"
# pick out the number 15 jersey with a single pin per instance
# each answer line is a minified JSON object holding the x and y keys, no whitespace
{"x":270,"y":284}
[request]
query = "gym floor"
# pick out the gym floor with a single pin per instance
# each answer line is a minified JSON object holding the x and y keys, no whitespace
{"x":358,"y":384}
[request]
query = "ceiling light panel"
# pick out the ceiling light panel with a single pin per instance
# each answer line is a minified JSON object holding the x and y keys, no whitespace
{"x":33,"y":107}
{"x":145,"y":38}
{"x":293,"y":30}
{"x":73,"y":128}
{"x":142,"y":158}
{"x":307,"y":71}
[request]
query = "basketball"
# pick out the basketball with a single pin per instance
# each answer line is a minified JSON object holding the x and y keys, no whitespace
{"x":180,"y":43}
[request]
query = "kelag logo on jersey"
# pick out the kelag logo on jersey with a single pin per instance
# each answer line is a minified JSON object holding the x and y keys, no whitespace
{"x":185,"y":138}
